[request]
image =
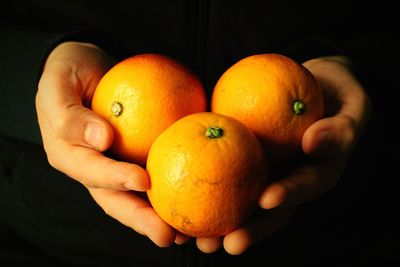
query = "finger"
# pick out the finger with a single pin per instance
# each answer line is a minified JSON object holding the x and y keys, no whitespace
{"x":81,"y":126}
{"x":304,"y":184}
{"x":261,"y":227}
{"x":90,"y":167}
{"x":60,"y":98}
{"x":209,"y":245}
{"x":93,"y":169}
{"x":134,"y":212}
{"x":343,"y":93}
{"x":330,"y":136}
{"x":181,"y":238}
{"x":347,"y":107}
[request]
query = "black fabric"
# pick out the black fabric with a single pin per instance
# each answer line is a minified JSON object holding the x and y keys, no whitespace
{"x":57,"y":216}
{"x":21,"y":62}
{"x":48,"y":219}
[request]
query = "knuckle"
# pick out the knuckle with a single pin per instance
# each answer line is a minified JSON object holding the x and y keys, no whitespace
{"x":40,"y":109}
{"x":42,"y":81}
{"x":61,"y":126}
{"x":94,"y":175}
{"x":85,"y":181}
{"x":107,"y":211}
{"x":51,"y":159}
{"x":347,"y":123}
{"x":347,"y":126}
{"x":38,"y":97}
{"x":53,"y":163}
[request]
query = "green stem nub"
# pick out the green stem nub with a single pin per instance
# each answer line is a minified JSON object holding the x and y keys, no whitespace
{"x":298,"y":107}
{"x":116,"y":108}
{"x":214,"y":132}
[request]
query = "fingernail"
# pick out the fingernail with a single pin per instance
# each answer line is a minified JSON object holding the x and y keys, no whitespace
{"x":130,"y":186}
{"x":136,"y":187}
{"x":93,"y":134}
{"x":266,"y":204}
{"x":180,"y":239}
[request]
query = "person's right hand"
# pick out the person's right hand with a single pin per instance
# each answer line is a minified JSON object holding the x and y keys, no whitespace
{"x":74,"y":138}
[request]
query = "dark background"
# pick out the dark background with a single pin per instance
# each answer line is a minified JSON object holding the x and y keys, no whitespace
{"x":46,"y":217}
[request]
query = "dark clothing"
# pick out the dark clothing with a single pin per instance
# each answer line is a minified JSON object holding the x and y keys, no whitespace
{"x":46,"y":217}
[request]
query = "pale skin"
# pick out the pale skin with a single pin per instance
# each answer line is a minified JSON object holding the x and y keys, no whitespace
{"x":74,"y":138}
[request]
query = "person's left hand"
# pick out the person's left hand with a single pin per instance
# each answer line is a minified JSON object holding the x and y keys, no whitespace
{"x":328,"y":143}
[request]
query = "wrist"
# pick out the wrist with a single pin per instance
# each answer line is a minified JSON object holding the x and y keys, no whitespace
{"x":338,"y":81}
{"x":68,"y":44}
{"x":68,"y":47}
{"x":321,"y":64}
{"x":78,"y":55}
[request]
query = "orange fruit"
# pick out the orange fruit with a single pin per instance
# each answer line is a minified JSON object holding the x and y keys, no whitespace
{"x":141,"y":96}
{"x":276,"y":97}
{"x":207,"y":172}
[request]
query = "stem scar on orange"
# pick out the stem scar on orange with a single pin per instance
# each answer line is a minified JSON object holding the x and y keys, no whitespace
{"x":276,"y":97}
{"x":141,"y":96}
{"x":207,"y":172}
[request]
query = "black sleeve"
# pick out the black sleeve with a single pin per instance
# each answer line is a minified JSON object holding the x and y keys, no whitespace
{"x":22,"y":52}
{"x":311,"y":47}
{"x":319,"y":46}
{"x":373,"y":56}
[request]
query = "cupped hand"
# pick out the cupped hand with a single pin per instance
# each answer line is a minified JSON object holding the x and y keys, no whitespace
{"x":74,"y":138}
{"x":328,"y":144}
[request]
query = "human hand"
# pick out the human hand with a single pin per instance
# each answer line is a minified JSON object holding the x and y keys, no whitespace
{"x":74,"y":138}
{"x":328,"y":143}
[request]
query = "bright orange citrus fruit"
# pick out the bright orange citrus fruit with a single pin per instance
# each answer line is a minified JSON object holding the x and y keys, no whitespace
{"x":141,"y":96}
{"x":207,"y":172}
{"x":276,"y":97}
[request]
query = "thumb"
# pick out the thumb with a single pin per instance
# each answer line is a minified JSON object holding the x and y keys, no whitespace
{"x":79,"y":125}
{"x":330,"y":136}
{"x":59,"y":103}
